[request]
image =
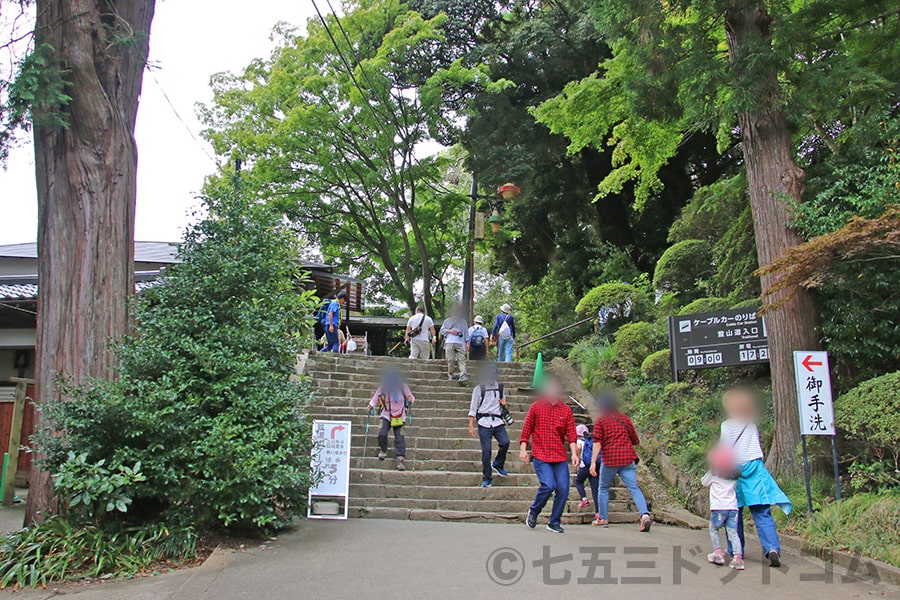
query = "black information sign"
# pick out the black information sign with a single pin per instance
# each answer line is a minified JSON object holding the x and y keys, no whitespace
{"x":717,"y":339}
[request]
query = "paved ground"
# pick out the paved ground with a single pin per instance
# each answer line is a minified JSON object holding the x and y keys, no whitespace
{"x":374,"y":559}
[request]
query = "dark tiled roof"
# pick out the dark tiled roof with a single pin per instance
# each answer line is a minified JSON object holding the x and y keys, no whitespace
{"x":150,"y":252}
{"x":25,"y":288}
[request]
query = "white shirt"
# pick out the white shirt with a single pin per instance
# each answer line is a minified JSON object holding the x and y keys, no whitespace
{"x":722,"y":495}
{"x":746,"y":445}
{"x":427,"y":324}
{"x":490,"y":406}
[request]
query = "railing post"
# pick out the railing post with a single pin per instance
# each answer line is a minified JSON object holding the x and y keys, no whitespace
{"x":15,"y":440}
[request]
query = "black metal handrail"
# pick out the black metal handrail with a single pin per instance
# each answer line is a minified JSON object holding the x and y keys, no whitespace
{"x":551,"y":334}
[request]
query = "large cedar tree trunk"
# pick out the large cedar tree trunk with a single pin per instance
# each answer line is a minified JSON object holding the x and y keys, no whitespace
{"x":773,"y":177}
{"x":86,"y":196}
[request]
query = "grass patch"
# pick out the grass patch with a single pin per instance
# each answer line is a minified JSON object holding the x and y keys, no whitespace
{"x":868,"y":524}
{"x":57,"y":550}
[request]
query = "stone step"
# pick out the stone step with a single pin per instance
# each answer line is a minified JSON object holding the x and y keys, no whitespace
{"x":421,"y":410}
{"x":396,"y":362}
{"x":436,"y":369}
{"x":383,"y":473}
{"x":478,"y":517}
{"x":498,"y":492}
{"x":487,"y":506}
{"x":431,"y":384}
{"x":361,"y":388}
{"x":416,"y":462}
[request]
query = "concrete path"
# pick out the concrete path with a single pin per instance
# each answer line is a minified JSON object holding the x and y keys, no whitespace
{"x":373,"y":559}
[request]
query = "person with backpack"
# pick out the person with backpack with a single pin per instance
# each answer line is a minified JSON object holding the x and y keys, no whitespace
{"x":550,"y":426}
{"x":420,"y":334}
{"x":486,"y":413}
{"x":332,"y":323}
{"x":586,"y":451}
{"x":394,"y":398}
{"x":615,"y":435}
{"x":456,"y":333}
{"x":504,"y":334}
{"x":477,"y":346}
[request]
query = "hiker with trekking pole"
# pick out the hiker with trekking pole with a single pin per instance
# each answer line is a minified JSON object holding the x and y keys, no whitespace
{"x":394,"y":398}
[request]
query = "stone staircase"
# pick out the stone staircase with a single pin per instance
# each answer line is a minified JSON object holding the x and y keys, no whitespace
{"x":443,"y":476}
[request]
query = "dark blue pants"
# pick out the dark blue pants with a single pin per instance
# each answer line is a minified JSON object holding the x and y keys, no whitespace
{"x":332,"y":341}
{"x":486,"y":435}
{"x":554,"y":479}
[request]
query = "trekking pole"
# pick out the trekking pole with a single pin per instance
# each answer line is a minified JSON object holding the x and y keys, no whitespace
{"x":366,"y":442}
{"x":409,"y":416}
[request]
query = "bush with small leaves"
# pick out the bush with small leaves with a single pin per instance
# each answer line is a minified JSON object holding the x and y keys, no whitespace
{"x":636,"y":341}
{"x":869,"y":418}
{"x":657,"y":367}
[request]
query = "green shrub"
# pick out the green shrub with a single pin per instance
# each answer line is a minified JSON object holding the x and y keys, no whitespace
{"x":658,"y":367}
{"x":682,"y":266}
{"x":636,"y":341}
{"x":752,"y":303}
{"x":868,"y":524}
{"x":704,"y":305}
{"x":625,"y":301}
{"x":869,"y":418}
{"x":205,"y":401}
{"x":95,"y":489}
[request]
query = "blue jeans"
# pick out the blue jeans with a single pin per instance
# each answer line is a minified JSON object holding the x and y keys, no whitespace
{"x":332,"y":341}
{"x":505,"y":349}
{"x":729,"y":520}
{"x":628,"y":475}
{"x":486,"y":436}
{"x":765,"y":528}
{"x":554,"y":479}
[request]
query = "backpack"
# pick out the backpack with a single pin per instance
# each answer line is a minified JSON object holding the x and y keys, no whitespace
{"x":477,"y":338}
{"x":505,"y":331}
{"x":587,"y":451}
{"x":322,"y":312}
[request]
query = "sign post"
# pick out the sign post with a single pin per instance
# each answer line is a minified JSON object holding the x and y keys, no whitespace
{"x":717,"y":339}
{"x":330,"y":497}
{"x":814,"y":398}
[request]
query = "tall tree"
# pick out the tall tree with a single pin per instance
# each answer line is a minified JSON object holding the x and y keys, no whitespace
{"x":81,"y":87}
{"x":331,"y":127}
{"x":707,"y":66}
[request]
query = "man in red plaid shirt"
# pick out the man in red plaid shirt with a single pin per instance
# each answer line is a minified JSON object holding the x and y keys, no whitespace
{"x":616,"y":437}
{"x":549,"y":425}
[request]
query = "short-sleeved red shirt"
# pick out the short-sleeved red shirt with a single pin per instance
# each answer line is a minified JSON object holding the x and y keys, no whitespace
{"x":550,"y":427}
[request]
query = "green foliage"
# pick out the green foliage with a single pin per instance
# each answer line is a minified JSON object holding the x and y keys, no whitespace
{"x":597,"y":361}
{"x":636,"y":341}
{"x":720,"y":214}
{"x":869,"y":419}
{"x":37,"y":94}
{"x":95,"y":488}
{"x":682,"y":267}
{"x":657,"y":367}
{"x":544,"y":308}
{"x":703,"y":305}
{"x":848,"y":526}
{"x":346,"y":124}
{"x":205,"y":401}
{"x":624,"y":301}
{"x":57,"y":550}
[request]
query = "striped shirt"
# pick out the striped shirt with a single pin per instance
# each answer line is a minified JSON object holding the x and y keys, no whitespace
{"x":746,"y":445}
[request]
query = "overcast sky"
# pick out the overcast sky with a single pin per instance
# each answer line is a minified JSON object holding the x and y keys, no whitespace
{"x":190,"y":40}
